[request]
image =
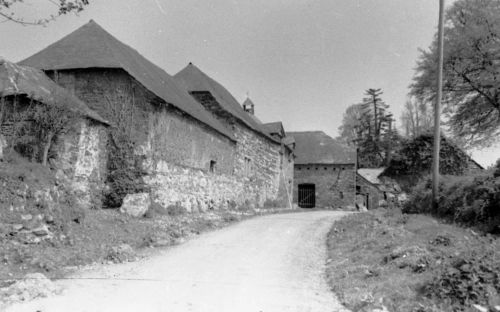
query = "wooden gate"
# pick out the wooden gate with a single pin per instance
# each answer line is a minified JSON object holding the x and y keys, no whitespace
{"x":307,"y":195}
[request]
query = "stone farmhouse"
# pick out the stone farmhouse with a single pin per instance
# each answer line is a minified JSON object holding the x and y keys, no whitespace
{"x":324,"y":172}
{"x":193,"y":142}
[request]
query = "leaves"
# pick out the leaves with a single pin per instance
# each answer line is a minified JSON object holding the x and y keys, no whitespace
{"x":8,"y":12}
{"x":471,"y":86}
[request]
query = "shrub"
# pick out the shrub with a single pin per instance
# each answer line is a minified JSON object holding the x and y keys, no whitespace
{"x":176,"y":210}
{"x":469,"y":200}
{"x":468,"y":280}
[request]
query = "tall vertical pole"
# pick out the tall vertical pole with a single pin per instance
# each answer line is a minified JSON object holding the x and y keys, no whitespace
{"x":437,"y":109}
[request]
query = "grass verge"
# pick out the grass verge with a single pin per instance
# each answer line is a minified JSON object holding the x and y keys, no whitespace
{"x":384,"y":258}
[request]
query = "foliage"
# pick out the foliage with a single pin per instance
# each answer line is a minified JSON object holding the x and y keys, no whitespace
{"x":471,"y":92}
{"x":469,"y":200}
{"x":383,"y":260}
{"x":368,"y":125}
{"x":63,"y":7}
{"x":467,"y":281}
{"x":351,"y":122}
{"x":37,"y":126}
{"x":416,"y":118}
{"x":414,"y":158}
{"x":125,"y":169}
{"x":50,"y":121}
{"x":176,"y":210}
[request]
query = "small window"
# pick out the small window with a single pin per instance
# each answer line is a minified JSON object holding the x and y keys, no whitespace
{"x":248,"y":167}
{"x":308,"y":168}
{"x":326,"y":168}
{"x":212,"y":165}
{"x":316,"y":168}
{"x":341,"y":195}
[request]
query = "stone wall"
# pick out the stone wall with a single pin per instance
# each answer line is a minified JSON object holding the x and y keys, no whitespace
{"x":258,"y":159}
{"x":285,"y":191}
{"x":335,"y":185}
{"x":162,"y":131}
{"x":82,"y":161}
{"x":366,"y":189}
{"x":185,"y":162}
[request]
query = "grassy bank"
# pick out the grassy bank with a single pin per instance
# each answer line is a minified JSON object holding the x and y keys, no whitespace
{"x":411,"y":263}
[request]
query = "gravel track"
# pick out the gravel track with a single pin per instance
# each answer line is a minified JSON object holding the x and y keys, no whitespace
{"x":270,"y":263}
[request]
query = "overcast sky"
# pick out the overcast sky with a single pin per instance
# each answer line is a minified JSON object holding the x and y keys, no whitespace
{"x":302,"y":62}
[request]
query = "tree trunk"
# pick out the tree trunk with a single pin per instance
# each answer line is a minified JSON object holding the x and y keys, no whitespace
{"x":46,"y":149}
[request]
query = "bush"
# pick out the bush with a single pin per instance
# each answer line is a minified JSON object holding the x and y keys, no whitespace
{"x":176,"y":210}
{"x":468,"y":200}
{"x":468,"y":280}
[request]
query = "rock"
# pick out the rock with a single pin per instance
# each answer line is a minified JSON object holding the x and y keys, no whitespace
{"x":136,"y":205}
{"x":32,"y":286}
{"x":41,"y":230}
{"x":17,"y":227}
{"x":3,"y":144}
{"x":49,"y":219}
{"x":26,"y":217}
{"x":120,"y":253}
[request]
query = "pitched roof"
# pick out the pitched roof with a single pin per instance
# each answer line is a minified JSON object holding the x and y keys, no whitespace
{"x":315,"y":147}
{"x":274,"y":127}
{"x":371,"y":174}
{"x":90,"y":46}
{"x":23,"y":80}
{"x":193,"y":79}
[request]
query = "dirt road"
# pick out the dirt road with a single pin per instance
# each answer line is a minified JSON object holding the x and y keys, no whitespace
{"x":270,"y":263}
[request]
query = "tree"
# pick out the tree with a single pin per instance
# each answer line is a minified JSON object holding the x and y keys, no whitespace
{"x":416,"y":118}
{"x":471,"y":86}
{"x":351,"y":122}
{"x":61,"y":7}
{"x":50,"y":121}
{"x":369,"y":126}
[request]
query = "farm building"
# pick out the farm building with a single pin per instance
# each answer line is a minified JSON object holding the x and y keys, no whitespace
{"x":259,"y":156}
{"x":76,"y":152}
{"x":186,"y":151}
{"x":324,"y":171}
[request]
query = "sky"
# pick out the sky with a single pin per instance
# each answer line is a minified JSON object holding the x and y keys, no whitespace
{"x":302,"y":62}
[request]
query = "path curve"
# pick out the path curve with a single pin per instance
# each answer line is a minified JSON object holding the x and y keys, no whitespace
{"x":269,"y":263}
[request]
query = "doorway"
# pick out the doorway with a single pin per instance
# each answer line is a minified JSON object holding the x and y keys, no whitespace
{"x":307,"y":195}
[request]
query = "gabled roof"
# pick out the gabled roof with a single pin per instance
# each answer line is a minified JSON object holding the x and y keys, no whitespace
{"x":371,"y":174}
{"x":90,"y":46}
{"x":316,"y":147}
{"x":194,"y":80}
{"x":274,"y":127}
{"x":33,"y":83}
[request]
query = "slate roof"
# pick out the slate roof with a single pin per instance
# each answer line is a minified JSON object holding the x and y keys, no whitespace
{"x":90,"y":46}
{"x":194,"y":80}
{"x":371,"y":174}
{"x":316,"y":147}
{"x":274,"y":127}
{"x":23,"y":80}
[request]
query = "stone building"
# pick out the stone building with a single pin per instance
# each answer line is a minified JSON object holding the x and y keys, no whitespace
{"x":324,"y":172}
{"x":369,"y":188}
{"x":261,"y":159}
{"x":78,"y":153}
{"x":186,"y":154}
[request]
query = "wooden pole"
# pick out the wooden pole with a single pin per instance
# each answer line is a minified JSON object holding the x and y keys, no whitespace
{"x":437,"y":109}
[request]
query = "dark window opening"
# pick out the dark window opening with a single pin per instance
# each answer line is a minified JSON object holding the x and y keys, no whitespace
{"x":341,"y":195}
{"x":212,"y":165}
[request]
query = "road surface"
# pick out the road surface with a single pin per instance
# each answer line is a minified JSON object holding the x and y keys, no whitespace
{"x":265,"y":264}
